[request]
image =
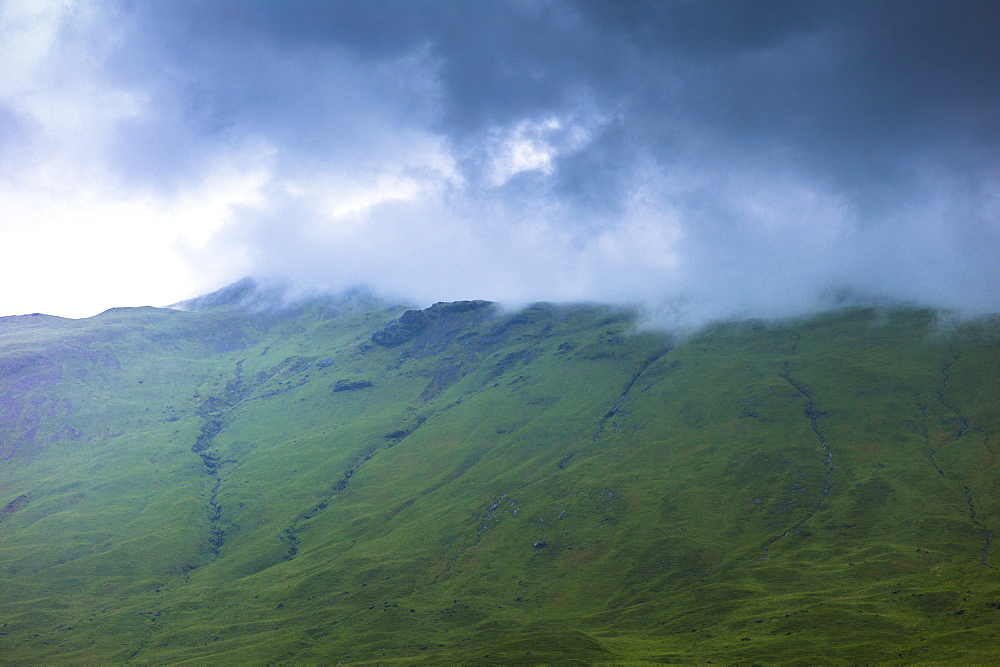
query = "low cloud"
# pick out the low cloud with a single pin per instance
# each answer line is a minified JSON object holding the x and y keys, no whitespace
{"x":697,"y":159}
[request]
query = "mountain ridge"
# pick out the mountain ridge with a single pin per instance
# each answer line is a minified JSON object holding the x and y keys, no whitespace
{"x":341,"y":479}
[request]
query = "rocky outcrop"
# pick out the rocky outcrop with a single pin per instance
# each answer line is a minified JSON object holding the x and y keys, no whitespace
{"x":15,"y":505}
{"x":412,"y":323}
{"x":351,"y":385}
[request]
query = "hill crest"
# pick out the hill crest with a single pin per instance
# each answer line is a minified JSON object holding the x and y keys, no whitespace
{"x":345,"y":480}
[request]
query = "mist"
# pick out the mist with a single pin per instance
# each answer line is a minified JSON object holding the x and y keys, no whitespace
{"x":700,"y":160}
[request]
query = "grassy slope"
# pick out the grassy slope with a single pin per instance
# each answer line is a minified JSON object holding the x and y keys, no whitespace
{"x":536,"y":487}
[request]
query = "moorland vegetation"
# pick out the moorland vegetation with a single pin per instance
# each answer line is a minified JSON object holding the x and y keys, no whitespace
{"x":342,"y":480}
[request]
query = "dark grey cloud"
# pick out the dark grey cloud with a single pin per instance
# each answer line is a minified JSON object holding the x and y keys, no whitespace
{"x":702,"y":157}
{"x":850,"y":85}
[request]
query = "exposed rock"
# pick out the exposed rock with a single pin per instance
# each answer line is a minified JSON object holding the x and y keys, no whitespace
{"x":412,"y":323}
{"x":409,"y":325}
{"x":351,"y":385}
{"x":16,"y":504}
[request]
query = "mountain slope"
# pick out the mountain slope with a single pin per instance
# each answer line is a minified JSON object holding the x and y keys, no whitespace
{"x":343,"y":481}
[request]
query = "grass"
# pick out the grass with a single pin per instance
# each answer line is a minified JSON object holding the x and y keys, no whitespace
{"x":542,"y":486}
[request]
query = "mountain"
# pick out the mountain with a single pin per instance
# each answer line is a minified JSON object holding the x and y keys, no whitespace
{"x":345,"y":480}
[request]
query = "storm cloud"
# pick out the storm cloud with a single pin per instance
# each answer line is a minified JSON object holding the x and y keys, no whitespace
{"x":702,"y":159}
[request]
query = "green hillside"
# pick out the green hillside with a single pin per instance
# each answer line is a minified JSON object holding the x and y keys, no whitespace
{"x":345,"y":481}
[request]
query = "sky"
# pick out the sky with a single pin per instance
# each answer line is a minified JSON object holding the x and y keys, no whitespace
{"x":701,"y":159}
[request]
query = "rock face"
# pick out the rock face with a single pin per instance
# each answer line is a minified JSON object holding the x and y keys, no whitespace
{"x":351,"y":385}
{"x":412,"y":323}
{"x":15,"y":505}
